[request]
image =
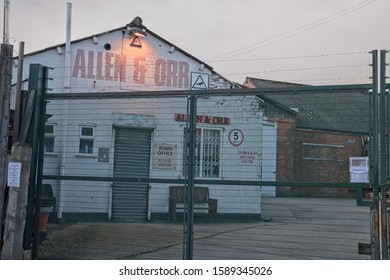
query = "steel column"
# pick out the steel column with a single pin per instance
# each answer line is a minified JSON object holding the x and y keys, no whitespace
{"x":40,"y":121}
{"x":35,"y":137}
{"x":375,"y":246}
{"x":384,"y":151}
{"x":189,"y":201}
{"x":379,"y":156}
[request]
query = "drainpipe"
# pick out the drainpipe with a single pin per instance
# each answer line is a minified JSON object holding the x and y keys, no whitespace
{"x":6,"y":22}
{"x":65,"y":112}
{"x":68,"y":50}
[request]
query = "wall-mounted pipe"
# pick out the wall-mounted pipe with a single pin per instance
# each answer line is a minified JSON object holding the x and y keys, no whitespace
{"x":68,"y":54}
{"x":68,"y":50}
{"x":6,"y":22}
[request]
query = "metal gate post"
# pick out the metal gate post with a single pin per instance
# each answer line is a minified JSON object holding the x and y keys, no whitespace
{"x":189,"y":201}
{"x":35,"y":137}
{"x":375,"y":236}
{"x":40,"y":124}
{"x":379,"y":152}
{"x":375,"y":243}
{"x":384,"y":151}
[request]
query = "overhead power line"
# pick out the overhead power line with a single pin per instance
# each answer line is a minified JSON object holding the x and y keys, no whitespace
{"x":295,"y":31}
{"x":299,"y":69}
{"x":288,"y":57}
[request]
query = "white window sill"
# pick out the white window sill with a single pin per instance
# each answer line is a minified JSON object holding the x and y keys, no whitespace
{"x":50,"y":154}
{"x":86,"y":155}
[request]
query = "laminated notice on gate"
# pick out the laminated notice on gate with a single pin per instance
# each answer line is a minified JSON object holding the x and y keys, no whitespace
{"x":358,"y":169}
{"x":14,"y":171}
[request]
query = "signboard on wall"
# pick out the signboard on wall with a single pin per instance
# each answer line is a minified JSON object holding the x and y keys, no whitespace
{"x":140,"y":68}
{"x":358,"y":169}
{"x":199,"y":81}
{"x":236,"y":137}
{"x":248,"y":157}
{"x":14,"y":173}
{"x":165,"y":156}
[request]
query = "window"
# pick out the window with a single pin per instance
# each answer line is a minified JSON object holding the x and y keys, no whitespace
{"x":86,"y":140}
{"x":207,"y":153}
{"x":49,"y":138}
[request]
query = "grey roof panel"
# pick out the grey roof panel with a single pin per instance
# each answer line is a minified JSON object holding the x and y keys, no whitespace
{"x":338,"y":110}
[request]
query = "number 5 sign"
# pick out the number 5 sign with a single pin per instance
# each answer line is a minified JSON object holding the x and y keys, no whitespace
{"x":236,"y":137}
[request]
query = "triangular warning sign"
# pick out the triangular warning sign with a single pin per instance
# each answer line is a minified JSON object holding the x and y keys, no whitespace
{"x":136,"y":42}
{"x":199,"y":83}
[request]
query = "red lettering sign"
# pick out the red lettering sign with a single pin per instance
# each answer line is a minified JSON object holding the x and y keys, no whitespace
{"x":110,"y":66}
{"x":160,"y":72}
{"x":79,"y":65}
{"x":139,"y":70}
{"x":203,"y":119}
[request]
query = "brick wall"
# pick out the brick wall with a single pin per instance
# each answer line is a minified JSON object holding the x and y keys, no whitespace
{"x":314,"y":156}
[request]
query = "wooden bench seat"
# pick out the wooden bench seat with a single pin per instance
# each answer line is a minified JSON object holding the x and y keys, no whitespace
{"x":202,"y":201}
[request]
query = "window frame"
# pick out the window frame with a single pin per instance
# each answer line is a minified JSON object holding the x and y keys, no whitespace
{"x":85,"y":137}
{"x":200,"y":150}
{"x":49,"y":135}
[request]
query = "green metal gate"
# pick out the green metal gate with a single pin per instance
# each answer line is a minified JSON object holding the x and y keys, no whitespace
{"x":378,"y":152}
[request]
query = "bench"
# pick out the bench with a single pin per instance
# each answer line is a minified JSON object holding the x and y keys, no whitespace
{"x":202,"y":201}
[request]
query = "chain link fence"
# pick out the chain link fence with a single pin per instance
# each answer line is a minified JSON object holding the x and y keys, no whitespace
{"x":271,"y":175}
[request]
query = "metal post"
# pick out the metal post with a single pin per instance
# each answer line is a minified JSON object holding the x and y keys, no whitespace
{"x":37,"y":84}
{"x":6,"y":21}
{"x":383,"y":156}
{"x":186,"y":143}
{"x":375,"y":163}
{"x":189,"y":213}
{"x":40,"y":120}
{"x":385,"y":203}
{"x":383,"y":120}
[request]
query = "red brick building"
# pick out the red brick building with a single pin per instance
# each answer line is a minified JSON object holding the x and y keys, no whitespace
{"x":316,"y":135}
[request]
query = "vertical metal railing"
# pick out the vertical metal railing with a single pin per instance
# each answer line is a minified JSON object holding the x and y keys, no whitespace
{"x":188,"y":208}
{"x":384,"y":149}
{"x":33,"y":133}
{"x":375,"y":243}
{"x":379,"y":153}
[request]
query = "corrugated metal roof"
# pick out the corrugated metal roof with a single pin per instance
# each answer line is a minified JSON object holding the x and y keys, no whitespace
{"x":335,"y":110}
{"x":259,"y":83}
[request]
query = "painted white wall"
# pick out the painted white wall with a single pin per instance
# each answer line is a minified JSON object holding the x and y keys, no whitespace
{"x":152,"y":67}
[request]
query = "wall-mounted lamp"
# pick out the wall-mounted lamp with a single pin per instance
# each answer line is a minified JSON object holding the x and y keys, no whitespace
{"x":95,"y":40}
{"x":136,"y":31}
{"x":201,"y":67}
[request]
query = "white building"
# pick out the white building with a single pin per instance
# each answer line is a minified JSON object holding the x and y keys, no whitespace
{"x":143,"y":137}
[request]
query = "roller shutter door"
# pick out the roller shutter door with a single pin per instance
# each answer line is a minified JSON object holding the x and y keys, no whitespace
{"x":131,"y":159}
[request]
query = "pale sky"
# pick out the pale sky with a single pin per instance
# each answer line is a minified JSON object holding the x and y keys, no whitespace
{"x":303,"y":41}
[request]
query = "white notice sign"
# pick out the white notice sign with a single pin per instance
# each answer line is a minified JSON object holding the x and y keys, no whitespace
{"x":358,"y":169}
{"x":14,"y":171}
{"x":165,"y":156}
{"x":199,"y":81}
